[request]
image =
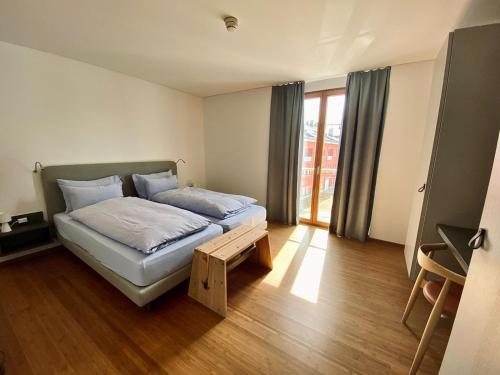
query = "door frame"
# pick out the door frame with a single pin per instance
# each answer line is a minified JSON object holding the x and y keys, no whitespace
{"x":323,"y":95}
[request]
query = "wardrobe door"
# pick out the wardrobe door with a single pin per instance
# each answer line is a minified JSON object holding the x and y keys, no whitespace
{"x":438,"y":93}
{"x":463,"y":138}
{"x":466,"y":139}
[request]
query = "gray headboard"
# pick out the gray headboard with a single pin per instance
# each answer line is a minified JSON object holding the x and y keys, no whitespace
{"x":54,"y":200}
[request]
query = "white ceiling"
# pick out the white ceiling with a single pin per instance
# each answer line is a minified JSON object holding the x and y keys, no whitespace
{"x":183,"y":44}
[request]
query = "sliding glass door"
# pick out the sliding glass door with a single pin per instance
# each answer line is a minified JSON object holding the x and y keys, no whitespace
{"x":323,"y":112}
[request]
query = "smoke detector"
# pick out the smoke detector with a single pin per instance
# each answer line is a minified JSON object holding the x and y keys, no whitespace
{"x":231,"y":23}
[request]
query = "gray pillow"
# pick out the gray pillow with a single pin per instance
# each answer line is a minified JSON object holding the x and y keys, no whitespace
{"x":99,"y":182}
{"x":156,"y":185}
{"x":140,"y":184}
{"x":82,"y":196}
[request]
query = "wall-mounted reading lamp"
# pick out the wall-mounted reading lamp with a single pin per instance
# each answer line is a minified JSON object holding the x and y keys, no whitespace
{"x":38,"y":167}
{"x":189,"y":182}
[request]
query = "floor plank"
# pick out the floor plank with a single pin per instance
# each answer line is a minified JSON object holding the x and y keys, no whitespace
{"x":329,"y":306}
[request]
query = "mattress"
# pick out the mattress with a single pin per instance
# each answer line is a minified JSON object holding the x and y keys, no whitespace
{"x":134,"y":266}
{"x":253,"y":215}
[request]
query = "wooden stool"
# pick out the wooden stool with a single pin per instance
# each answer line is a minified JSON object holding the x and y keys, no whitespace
{"x":445,"y":296}
{"x":213,"y":259}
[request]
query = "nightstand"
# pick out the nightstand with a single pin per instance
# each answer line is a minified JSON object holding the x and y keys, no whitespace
{"x":26,"y":237}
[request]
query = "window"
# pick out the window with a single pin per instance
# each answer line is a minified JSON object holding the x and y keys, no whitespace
{"x":330,"y":154}
{"x":308,"y":156}
{"x":323,"y":112}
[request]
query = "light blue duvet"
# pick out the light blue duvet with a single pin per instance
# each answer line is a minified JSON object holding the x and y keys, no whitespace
{"x":141,"y":224}
{"x":205,"y":202}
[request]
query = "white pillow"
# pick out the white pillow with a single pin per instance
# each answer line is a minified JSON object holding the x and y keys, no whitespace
{"x":140,"y":183}
{"x":99,"y":182}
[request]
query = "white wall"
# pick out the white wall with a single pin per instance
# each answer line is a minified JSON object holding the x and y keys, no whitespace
{"x":60,"y":111}
{"x":237,"y":141}
{"x":405,"y":122}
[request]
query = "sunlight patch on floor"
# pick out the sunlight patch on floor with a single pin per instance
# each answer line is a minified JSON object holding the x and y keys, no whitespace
{"x":308,"y":279}
{"x":281,"y":263}
{"x":299,"y":233}
{"x":320,"y":239}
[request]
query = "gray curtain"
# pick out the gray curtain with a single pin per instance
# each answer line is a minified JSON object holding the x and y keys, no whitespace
{"x":287,"y":107}
{"x":362,"y":129}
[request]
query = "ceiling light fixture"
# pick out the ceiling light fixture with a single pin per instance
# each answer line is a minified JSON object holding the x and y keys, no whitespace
{"x":231,"y":23}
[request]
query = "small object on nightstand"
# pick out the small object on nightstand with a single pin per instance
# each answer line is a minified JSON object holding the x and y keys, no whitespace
{"x":4,"y":220}
{"x":30,"y":231}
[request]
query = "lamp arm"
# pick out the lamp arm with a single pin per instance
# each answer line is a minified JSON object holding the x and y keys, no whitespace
{"x":38,"y":167}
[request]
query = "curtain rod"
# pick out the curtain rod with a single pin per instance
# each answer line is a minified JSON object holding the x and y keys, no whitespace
{"x":289,"y":83}
{"x":371,"y":70}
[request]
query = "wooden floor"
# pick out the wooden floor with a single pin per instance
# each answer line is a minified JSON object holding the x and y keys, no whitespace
{"x":329,"y":306}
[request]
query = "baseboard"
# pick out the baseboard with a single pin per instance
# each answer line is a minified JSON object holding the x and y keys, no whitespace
{"x":386,"y":242}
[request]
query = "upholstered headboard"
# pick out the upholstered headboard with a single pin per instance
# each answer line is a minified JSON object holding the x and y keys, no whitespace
{"x":54,"y":200}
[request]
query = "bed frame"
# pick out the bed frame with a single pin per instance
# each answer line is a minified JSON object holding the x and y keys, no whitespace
{"x":54,"y":202}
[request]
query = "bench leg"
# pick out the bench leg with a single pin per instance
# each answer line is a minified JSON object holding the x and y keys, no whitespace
{"x":217,"y":281}
{"x":210,"y":290}
{"x":262,"y":253}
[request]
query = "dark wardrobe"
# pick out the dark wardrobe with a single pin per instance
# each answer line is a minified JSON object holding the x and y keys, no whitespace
{"x":460,"y":138}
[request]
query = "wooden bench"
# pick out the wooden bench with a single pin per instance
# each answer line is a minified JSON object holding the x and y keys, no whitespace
{"x":214,"y":259}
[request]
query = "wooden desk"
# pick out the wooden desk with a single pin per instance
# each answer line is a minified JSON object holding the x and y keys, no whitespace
{"x":457,"y":240}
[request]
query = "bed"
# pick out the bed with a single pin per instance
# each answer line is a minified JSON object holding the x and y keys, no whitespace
{"x":141,"y":277}
{"x":138,"y":268}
